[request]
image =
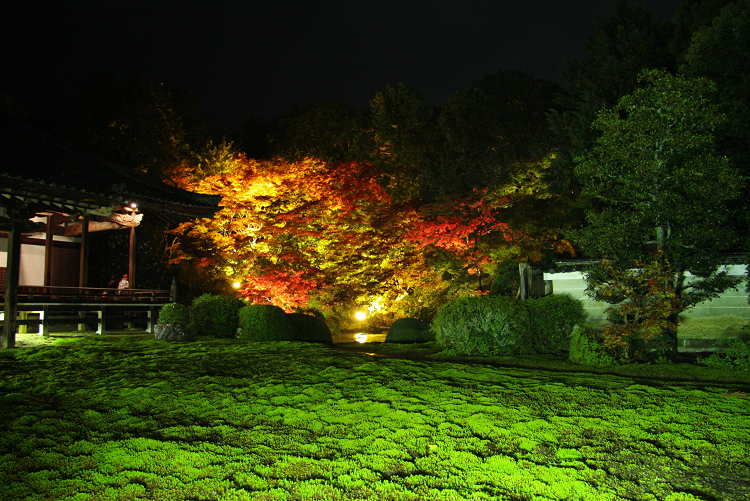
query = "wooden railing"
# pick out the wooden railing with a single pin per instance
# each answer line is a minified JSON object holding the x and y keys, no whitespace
{"x":37,"y":294}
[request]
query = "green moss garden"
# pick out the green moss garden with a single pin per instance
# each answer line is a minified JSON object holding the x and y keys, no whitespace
{"x":129,"y":417}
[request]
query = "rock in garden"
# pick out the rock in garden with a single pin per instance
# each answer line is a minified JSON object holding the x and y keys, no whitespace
{"x":169,"y":332}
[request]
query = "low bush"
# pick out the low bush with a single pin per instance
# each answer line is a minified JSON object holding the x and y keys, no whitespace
{"x":587,"y":348}
{"x":735,"y":356}
{"x":174,"y":313}
{"x":506,"y":279}
{"x":310,"y":328}
{"x":481,"y":326}
{"x":552,"y":319}
{"x":409,"y":330}
{"x":215,"y":315}
{"x":265,"y":322}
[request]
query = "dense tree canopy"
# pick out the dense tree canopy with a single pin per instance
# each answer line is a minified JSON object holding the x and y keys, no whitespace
{"x":492,"y":131}
{"x":292,"y":231}
{"x":402,"y":140}
{"x":616,"y":53}
{"x":721,"y":52}
{"x":656,"y":185}
{"x":326,"y":131}
{"x":401,"y":207}
{"x":137,"y":122}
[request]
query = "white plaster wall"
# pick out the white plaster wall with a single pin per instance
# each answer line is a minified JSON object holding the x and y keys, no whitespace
{"x":725,"y":313}
{"x":32,"y":265}
{"x":572,"y":283}
{"x":32,"y":261}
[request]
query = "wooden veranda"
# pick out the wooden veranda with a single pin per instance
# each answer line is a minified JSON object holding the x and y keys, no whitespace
{"x":41,"y":309}
{"x":73,"y":192}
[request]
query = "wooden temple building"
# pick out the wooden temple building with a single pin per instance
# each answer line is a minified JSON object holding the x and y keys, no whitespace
{"x":52,"y":196}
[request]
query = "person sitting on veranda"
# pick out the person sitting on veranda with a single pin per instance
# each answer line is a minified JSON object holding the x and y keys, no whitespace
{"x":111,"y":285}
{"x":124,"y":284}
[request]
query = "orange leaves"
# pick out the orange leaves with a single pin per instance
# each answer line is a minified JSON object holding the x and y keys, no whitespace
{"x":291,"y":228}
{"x":297,"y":230}
{"x":647,"y":303}
{"x":287,"y":289}
{"x":459,"y":231}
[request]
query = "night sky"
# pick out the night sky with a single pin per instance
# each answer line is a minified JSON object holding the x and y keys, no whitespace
{"x":243,"y":58}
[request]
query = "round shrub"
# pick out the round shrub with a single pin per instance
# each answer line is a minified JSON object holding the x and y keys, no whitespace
{"x":481,"y":326}
{"x":735,"y":357}
{"x":409,"y":330}
{"x":216,"y":315}
{"x":553,"y":318}
{"x":174,"y":313}
{"x":587,"y":348}
{"x":310,"y":329}
{"x":265,"y":322}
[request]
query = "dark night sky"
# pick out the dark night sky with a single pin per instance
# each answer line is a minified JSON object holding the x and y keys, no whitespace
{"x":243,"y":58}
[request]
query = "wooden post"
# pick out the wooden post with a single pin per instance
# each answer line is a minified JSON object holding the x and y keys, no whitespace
{"x":13,"y":273}
{"x":131,"y":259}
{"x":45,"y":314}
{"x":524,"y":271}
{"x":100,"y":325}
{"x":49,"y":245}
{"x":105,"y":324}
{"x":83,"y":274}
{"x":151,"y":322}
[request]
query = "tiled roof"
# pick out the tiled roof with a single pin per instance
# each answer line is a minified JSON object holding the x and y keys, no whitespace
{"x":33,"y":163}
{"x":585,"y":264}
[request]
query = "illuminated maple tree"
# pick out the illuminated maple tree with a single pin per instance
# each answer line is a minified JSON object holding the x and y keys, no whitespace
{"x":291,"y":231}
{"x":471,"y":236}
{"x":304,"y":233}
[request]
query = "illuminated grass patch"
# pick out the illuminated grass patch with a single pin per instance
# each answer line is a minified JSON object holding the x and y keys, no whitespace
{"x":133,"y":418}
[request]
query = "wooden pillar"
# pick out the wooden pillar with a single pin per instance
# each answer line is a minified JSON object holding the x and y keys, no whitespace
{"x":131,"y":259}
{"x":152,"y":315}
{"x":49,"y":244}
{"x":100,"y":325}
{"x":83,"y":274}
{"x":13,"y":272}
{"x":44,"y":314}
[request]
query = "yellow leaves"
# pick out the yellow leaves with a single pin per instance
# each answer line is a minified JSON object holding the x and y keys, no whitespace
{"x":564,"y":246}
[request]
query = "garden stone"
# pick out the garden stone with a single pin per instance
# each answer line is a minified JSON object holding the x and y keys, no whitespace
{"x":409,"y":330}
{"x":169,"y":332}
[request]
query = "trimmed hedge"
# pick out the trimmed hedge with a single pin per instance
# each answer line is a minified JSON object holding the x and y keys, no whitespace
{"x":216,"y":315}
{"x":481,"y":325}
{"x":310,"y":329}
{"x":553,"y":318}
{"x":488,"y":325}
{"x":174,"y":313}
{"x":587,"y":348}
{"x":265,"y":322}
{"x":735,"y":356}
{"x":409,"y":330}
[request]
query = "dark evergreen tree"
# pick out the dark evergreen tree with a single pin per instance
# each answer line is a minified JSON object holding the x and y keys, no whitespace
{"x":618,"y":50}
{"x":491,"y":131}
{"x":721,"y":51}
{"x":134,"y":121}
{"x":253,"y":138}
{"x":691,"y":16}
{"x":402,"y":134}
{"x":326,"y":131}
{"x":657,"y":186}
